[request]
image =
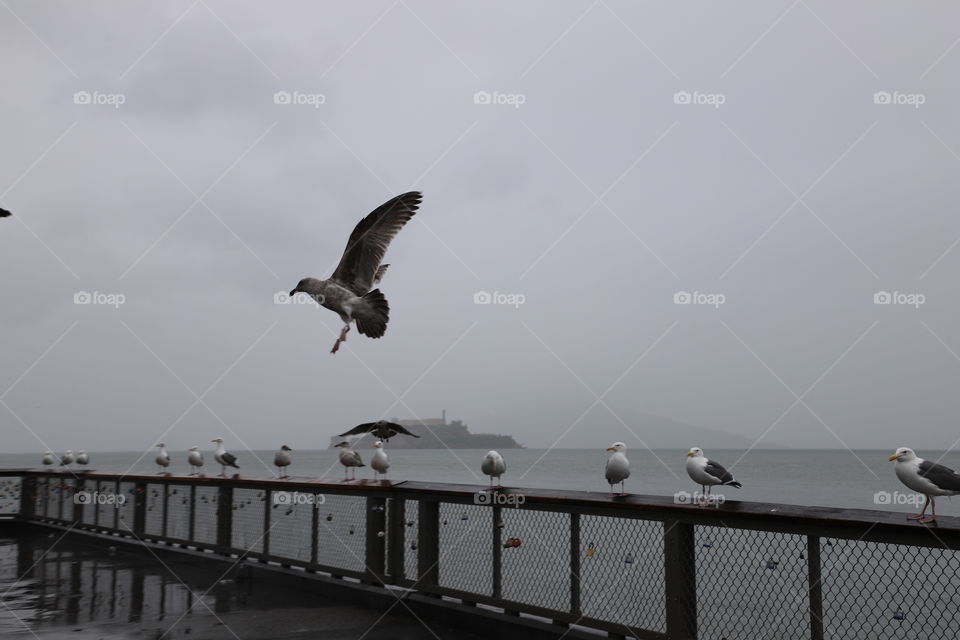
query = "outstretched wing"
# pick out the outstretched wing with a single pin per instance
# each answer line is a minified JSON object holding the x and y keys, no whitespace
{"x":717,"y":471}
{"x":369,"y":241}
{"x":943,"y":477}
{"x":396,"y":428}
{"x":366,"y":427}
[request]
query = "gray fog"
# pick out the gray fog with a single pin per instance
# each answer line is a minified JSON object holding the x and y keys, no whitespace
{"x":736,"y":216}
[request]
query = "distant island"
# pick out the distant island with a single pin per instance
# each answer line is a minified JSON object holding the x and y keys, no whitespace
{"x":437,"y":433}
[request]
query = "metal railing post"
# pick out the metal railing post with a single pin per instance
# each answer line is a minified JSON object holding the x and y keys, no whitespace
{"x":267,"y":510}
{"x":428,"y":546}
{"x":166,"y":505}
{"x":78,"y":507}
{"x":28,"y":497}
{"x":376,"y":538}
{"x":815,"y":589}
{"x":139,"y":508}
{"x":191,"y":525}
{"x":680,"y":580}
{"x":224,"y":519}
{"x":396,"y":535}
{"x":575,"y":564}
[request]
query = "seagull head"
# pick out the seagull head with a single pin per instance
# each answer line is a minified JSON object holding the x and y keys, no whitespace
{"x":903,"y":454}
{"x":378,"y":444}
{"x":160,"y":445}
{"x":217,"y":440}
{"x":695,"y":452}
{"x":343,"y":444}
{"x":619,"y":447}
{"x":492,"y":455}
{"x":300,"y":287}
{"x":69,"y":451}
{"x":285,"y":448}
{"x":192,"y":449}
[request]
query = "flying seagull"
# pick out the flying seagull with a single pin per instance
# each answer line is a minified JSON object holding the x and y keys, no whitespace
{"x":195,"y":458}
{"x":382,"y":429}
{"x":163,"y":458}
{"x":350,"y":459}
{"x":707,"y":473}
{"x":493,"y":466}
{"x":282,"y":460}
{"x":929,"y":478}
{"x":224,"y":458}
{"x":348,"y":290}
{"x":618,"y":467}
{"x":379,"y":462}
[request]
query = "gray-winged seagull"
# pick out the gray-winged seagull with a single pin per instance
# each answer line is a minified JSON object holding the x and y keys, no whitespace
{"x":225,"y":458}
{"x":494,"y":466}
{"x":929,"y":478}
{"x":282,"y":460}
{"x":350,"y":459}
{"x":348,"y":290}
{"x":707,"y":473}
{"x":618,"y":467}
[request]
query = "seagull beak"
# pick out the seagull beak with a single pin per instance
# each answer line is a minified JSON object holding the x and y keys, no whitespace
{"x":689,"y":454}
{"x":893,"y":457}
{"x":294,"y":292}
{"x":610,"y":448}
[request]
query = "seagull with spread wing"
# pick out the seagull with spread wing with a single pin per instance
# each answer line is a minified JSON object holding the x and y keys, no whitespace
{"x":349,"y":290}
{"x":382,"y":429}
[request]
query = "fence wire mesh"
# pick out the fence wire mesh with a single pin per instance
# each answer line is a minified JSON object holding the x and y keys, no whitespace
{"x":622,"y":572}
{"x":341,"y":532}
{"x":247,"y":516}
{"x":541,"y":558}
{"x":10,"y":495}
{"x":178,"y":512}
{"x":466,"y":548}
{"x":751,"y":584}
{"x":877,"y":591}
{"x":125,"y":507}
{"x":291,"y":524}
{"x":411,"y":539}
{"x":155,"y":499}
{"x":205,"y":515}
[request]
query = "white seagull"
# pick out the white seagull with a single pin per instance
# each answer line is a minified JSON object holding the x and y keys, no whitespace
{"x":48,"y":458}
{"x":224,"y":458}
{"x":493,"y":466}
{"x":195,"y":458}
{"x":348,"y":290}
{"x":282,"y":460}
{"x":379,"y":462}
{"x":929,"y":478}
{"x":83,"y":458}
{"x":66,"y":458}
{"x":618,"y":467}
{"x":707,"y":473}
{"x":163,"y":458}
{"x":350,"y":459}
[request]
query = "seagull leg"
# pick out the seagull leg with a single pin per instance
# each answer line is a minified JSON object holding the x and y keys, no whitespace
{"x":933,"y":509}
{"x":623,"y":490}
{"x":341,"y":338}
{"x":919,"y":516}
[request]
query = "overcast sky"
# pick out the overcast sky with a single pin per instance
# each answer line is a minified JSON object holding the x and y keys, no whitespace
{"x":589,"y":160}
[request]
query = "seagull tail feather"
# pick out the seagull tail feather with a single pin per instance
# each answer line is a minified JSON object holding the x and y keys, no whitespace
{"x":373,"y":315}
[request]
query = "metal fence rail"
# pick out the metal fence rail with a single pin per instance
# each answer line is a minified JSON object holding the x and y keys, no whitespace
{"x":639,"y":566}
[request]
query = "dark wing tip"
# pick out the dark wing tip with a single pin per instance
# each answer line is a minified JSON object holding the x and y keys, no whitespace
{"x":4,"y":213}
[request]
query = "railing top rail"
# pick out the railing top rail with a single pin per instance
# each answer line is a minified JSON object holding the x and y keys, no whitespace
{"x":814,"y":520}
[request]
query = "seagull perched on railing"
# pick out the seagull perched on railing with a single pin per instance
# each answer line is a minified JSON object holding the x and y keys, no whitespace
{"x":66,"y":458}
{"x":224,"y":458}
{"x":83,"y":458}
{"x":707,"y":473}
{"x":282,"y":460}
{"x":379,"y":462}
{"x":48,"y":458}
{"x":350,"y":459}
{"x":163,"y":458}
{"x":348,"y":290}
{"x":382,"y":429}
{"x":195,"y":458}
{"x":929,"y":478}
{"x":494,"y":466}
{"x":618,"y":467}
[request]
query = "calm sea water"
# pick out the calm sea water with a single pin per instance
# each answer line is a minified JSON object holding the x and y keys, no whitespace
{"x":837,"y":478}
